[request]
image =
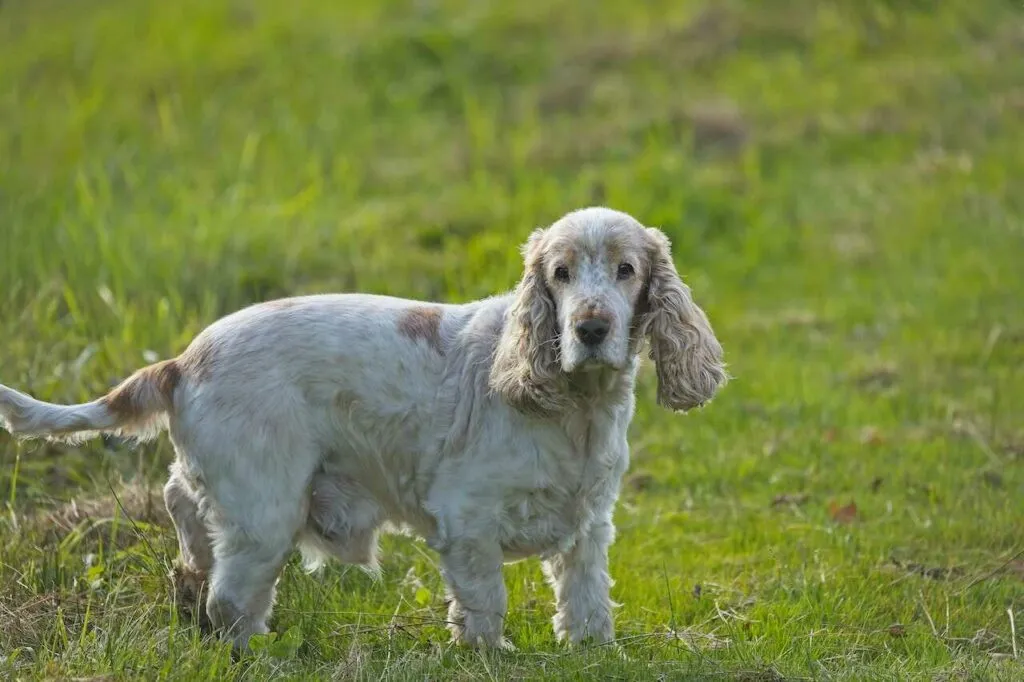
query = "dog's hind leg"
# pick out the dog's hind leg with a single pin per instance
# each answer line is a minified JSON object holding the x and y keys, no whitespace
{"x":252,"y":466}
{"x":192,"y":567}
{"x":258,"y":506}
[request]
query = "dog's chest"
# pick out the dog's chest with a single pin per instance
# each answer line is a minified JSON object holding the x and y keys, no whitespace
{"x":579,"y":468}
{"x":539,"y":522}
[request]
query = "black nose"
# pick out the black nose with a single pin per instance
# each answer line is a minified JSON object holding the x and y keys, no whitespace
{"x":592,"y":330}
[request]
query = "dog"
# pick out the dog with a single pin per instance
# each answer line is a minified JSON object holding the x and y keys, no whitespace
{"x":495,"y":430}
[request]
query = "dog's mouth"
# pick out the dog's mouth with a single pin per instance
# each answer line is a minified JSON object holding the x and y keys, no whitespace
{"x":581,"y":357}
{"x":595,"y":361}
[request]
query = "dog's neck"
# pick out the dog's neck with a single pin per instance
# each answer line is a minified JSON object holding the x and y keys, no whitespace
{"x":602,"y":387}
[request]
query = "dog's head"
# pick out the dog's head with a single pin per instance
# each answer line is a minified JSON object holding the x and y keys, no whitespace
{"x":595,"y":284}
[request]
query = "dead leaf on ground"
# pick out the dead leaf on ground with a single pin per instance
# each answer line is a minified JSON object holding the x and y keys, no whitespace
{"x":795,"y":499}
{"x":897,"y":630}
{"x":871,"y":435}
{"x":843,"y":514}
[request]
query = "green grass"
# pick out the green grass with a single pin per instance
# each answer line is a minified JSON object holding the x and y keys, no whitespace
{"x":841,"y":180}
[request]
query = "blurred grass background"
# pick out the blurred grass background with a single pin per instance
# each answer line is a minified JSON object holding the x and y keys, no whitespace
{"x":841,"y":180}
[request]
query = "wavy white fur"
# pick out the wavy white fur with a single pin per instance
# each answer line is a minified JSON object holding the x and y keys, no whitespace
{"x":494,"y":429}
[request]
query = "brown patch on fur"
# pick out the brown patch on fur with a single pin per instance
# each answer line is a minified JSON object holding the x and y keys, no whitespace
{"x":617,"y":248}
{"x":423,"y":323}
{"x":132,"y":398}
{"x":562,"y":252}
{"x":591,"y":314}
{"x":622,"y":242}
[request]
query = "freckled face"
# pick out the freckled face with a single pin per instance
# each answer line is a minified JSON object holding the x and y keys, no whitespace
{"x":596,"y":279}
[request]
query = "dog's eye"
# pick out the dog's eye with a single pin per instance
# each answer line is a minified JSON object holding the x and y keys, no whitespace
{"x":625,"y":271}
{"x":562,"y":273}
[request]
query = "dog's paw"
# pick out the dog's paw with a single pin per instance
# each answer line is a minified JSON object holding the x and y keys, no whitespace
{"x":503,"y":645}
{"x":189,"y":588}
{"x":480,"y":640}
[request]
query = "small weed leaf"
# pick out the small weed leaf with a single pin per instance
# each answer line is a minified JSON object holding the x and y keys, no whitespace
{"x":277,"y":646}
{"x":260,"y":643}
{"x":288,"y":644}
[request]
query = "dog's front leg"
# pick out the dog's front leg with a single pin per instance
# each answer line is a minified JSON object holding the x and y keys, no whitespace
{"x":472,"y":571}
{"x":582,"y":585}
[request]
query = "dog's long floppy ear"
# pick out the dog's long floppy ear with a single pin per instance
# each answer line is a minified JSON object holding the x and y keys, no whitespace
{"x":526,"y":371}
{"x":686,"y":354}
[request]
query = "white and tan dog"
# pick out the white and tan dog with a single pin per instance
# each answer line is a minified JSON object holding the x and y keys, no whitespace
{"x":494,"y":429}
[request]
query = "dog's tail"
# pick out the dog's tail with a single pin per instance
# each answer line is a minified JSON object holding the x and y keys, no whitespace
{"x":137,"y":408}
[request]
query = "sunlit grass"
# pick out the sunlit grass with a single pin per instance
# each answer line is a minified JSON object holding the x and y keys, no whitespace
{"x":840,"y":181}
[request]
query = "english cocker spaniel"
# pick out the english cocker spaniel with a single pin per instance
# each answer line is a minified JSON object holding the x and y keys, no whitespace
{"x":495,"y":429}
